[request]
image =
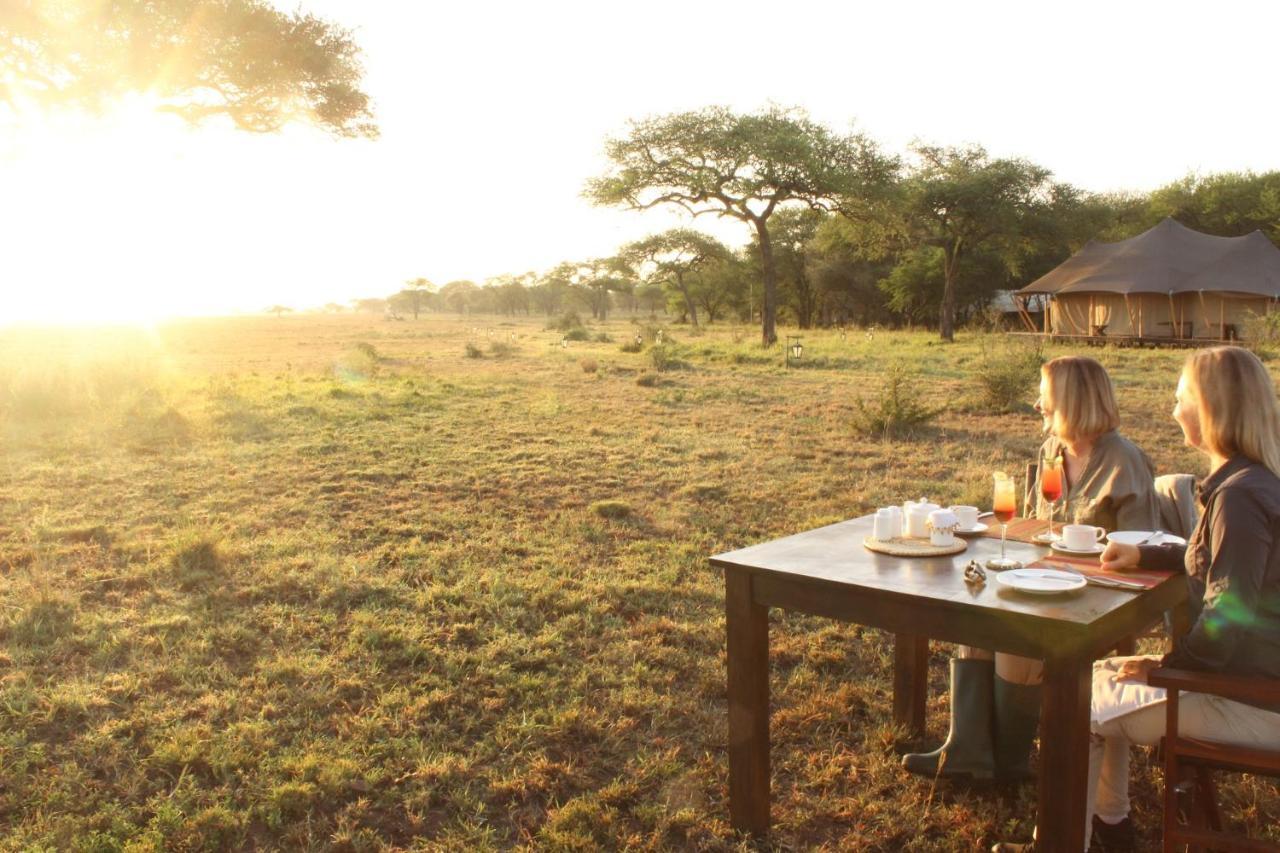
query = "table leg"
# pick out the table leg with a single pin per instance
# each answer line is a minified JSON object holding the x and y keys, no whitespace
{"x":747,"y":629}
{"x":910,"y":681}
{"x":1064,"y":754}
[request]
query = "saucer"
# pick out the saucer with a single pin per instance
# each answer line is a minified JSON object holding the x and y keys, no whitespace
{"x":970,"y":531}
{"x":1046,"y":539}
{"x":1095,"y":549}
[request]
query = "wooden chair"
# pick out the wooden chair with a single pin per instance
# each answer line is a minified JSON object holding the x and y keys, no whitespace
{"x":1182,"y":754}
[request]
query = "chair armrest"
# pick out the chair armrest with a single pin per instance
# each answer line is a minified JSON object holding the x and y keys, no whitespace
{"x":1240,"y":688}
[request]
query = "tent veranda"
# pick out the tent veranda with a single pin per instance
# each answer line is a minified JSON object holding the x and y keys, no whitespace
{"x":1167,"y":283}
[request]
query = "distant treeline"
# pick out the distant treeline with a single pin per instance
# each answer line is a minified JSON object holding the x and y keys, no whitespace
{"x":828,"y":275}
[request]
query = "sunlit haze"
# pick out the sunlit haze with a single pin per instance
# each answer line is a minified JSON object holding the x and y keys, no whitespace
{"x":494,"y":115}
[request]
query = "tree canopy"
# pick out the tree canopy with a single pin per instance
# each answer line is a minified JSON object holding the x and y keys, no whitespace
{"x":960,"y":201}
{"x":720,"y":163}
{"x":242,"y":59}
{"x":670,"y":259}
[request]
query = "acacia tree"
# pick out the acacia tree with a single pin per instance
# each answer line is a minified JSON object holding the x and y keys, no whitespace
{"x":672,"y":257}
{"x":716,"y":162}
{"x":243,"y":59}
{"x":960,"y":202}
{"x":594,"y":280}
{"x":415,"y":294}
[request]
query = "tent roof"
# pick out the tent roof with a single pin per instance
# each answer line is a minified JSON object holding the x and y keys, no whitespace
{"x":1169,"y":258}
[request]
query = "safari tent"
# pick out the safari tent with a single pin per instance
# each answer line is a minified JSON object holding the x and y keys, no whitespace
{"x":1169,"y":284}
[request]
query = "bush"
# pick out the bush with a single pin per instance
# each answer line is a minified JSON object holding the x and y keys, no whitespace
{"x":589,"y":365}
{"x":578,"y":334}
{"x":663,"y":357}
{"x":1008,"y":374}
{"x":898,"y":411}
{"x":603,"y":338}
{"x":368,"y":350}
{"x":501,"y":349}
{"x":567,"y":321}
{"x":633,"y":346}
{"x":611,"y":509}
{"x":1262,"y":333}
{"x":647,"y":380}
{"x":474,"y":351}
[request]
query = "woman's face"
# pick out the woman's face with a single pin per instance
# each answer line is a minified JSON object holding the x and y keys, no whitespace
{"x":1186,"y":411}
{"x":1043,"y":404}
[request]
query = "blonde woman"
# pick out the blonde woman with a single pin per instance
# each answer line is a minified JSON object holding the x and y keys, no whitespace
{"x":995,"y":706}
{"x":1226,"y":405}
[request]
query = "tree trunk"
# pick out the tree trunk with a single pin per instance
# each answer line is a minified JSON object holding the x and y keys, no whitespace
{"x":950,"y":265}
{"x":769,"y":300}
{"x":688,"y":300}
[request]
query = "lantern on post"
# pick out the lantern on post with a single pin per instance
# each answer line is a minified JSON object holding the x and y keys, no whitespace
{"x":795,"y":350}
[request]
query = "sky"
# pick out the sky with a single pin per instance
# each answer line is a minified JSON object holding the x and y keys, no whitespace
{"x":494,"y":115}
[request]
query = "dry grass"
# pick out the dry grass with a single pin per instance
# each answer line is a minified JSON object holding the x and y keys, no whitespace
{"x":328,"y":583}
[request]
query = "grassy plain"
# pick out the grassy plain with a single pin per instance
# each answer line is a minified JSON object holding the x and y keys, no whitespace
{"x":330,"y":583}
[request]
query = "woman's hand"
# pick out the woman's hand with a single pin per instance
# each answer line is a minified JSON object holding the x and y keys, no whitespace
{"x":1119,"y":557}
{"x":1135,"y":669}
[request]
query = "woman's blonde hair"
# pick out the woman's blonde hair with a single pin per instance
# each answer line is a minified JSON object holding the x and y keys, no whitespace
{"x":1080,"y":395}
{"x":1236,"y":400}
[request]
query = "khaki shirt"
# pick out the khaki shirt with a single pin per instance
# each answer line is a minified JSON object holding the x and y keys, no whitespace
{"x":1115,"y":490}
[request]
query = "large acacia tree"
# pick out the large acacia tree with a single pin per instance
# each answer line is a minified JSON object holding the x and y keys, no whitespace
{"x":242,"y":59}
{"x":716,"y":162}
{"x":960,"y":202}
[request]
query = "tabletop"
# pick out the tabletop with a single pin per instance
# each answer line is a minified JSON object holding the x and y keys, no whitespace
{"x":832,"y":561}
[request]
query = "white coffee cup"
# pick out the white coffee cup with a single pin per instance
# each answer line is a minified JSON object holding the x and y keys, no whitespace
{"x":966,"y":515}
{"x":1081,"y":537}
{"x":887,"y":525}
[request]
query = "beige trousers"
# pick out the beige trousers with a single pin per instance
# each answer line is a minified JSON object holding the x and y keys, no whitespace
{"x":1199,"y":715}
{"x":1018,"y":670}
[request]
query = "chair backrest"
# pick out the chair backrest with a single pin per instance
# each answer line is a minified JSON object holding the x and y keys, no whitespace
{"x":1176,"y":495}
{"x":1029,"y":495}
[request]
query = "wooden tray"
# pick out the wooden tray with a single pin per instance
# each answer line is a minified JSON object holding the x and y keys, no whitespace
{"x":901,"y":546}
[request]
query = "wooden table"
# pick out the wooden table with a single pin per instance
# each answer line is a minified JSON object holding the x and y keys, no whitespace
{"x":827,"y":572}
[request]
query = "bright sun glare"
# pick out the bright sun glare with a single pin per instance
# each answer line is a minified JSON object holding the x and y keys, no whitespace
{"x":85,"y":196}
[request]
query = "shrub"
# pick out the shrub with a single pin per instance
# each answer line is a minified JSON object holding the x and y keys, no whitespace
{"x":633,"y":346}
{"x":589,"y":365}
{"x":196,"y":560}
{"x":663,"y":357}
{"x":473,"y":351}
{"x":603,"y":338}
{"x":501,"y":349}
{"x":566,"y":322}
{"x":1008,"y":374}
{"x":368,"y":350}
{"x":611,"y":509}
{"x":647,"y":380}
{"x":1262,"y":333}
{"x":898,"y":411}
{"x":578,"y":334}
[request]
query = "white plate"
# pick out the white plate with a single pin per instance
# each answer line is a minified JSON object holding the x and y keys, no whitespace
{"x":1133,"y":537}
{"x":1046,"y":539}
{"x":1096,"y":549}
{"x":1041,"y":581}
{"x":969,"y":531}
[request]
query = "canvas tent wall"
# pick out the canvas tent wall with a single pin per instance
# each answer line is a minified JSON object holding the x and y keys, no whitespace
{"x":1168,"y":282}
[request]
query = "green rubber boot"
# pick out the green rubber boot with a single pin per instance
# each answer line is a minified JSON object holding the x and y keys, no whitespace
{"x":968,"y":750}
{"x":1017,"y":713}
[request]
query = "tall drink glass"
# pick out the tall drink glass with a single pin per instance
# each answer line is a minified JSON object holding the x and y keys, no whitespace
{"x":1004,"y":505}
{"x":1050,"y":489}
